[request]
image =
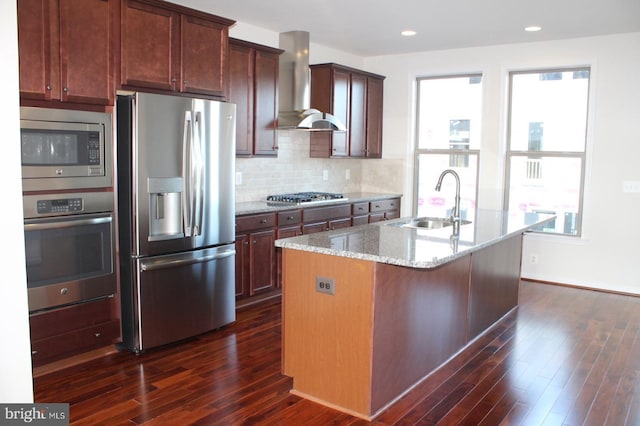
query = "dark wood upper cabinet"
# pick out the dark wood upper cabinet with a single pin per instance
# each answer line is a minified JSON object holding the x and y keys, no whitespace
{"x":253,"y":87}
{"x":171,"y":48}
{"x":374,"y":117}
{"x":354,"y":97}
{"x":66,"y":50}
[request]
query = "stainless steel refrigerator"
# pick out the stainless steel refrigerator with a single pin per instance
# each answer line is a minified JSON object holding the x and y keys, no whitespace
{"x":176,"y":217}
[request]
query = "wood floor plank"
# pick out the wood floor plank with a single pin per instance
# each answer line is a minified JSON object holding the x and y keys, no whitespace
{"x":565,"y":356}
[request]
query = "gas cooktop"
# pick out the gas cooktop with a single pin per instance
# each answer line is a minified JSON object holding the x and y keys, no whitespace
{"x":305,"y":198}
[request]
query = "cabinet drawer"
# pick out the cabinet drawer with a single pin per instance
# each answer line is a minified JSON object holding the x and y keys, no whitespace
{"x":326,"y":213}
{"x":53,"y":323}
{"x":288,"y":218}
{"x":74,"y":342}
{"x":382,"y":205}
{"x":257,"y":221}
{"x":358,"y":209}
{"x":360,"y":220}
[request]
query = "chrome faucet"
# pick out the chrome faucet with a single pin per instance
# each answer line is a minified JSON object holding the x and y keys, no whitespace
{"x":455,"y":217}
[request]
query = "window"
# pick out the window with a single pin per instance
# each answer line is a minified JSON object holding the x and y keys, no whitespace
{"x":546,"y":145}
{"x":448,"y":137}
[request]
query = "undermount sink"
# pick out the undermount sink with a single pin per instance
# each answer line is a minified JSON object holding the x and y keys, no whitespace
{"x":432,"y":223}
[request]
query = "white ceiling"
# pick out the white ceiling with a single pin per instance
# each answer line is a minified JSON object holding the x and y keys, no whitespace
{"x":372,"y":27}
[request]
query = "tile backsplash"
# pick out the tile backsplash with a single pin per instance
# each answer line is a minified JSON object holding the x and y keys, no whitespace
{"x":293,"y":171}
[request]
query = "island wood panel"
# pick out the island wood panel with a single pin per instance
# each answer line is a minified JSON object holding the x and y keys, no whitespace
{"x":420,"y":321}
{"x":494,"y":283}
{"x":327,"y":339}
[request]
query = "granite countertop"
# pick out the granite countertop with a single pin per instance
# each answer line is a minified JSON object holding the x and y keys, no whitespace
{"x":390,"y":242}
{"x":253,"y":207}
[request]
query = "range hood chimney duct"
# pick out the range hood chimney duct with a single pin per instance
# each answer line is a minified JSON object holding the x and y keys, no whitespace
{"x":295,"y":87}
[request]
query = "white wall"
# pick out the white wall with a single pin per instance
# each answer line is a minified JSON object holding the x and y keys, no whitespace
{"x":15,"y":355}
{"x":607,"y":255}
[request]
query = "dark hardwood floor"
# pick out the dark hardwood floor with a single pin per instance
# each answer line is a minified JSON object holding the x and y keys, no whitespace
{"x":565,"y":357}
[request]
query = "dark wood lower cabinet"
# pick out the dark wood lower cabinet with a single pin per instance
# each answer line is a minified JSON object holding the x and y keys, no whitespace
{"x":72,"y":330}
{"x":258,"y":263}
{"x":255,"y":254}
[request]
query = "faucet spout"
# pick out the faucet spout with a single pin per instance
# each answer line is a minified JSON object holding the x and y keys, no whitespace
{"x":456,"y":208}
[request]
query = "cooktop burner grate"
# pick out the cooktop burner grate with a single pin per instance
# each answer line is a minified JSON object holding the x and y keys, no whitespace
{"x":305,"y":197}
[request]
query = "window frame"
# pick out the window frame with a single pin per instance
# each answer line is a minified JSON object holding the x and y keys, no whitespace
{"x":581,"y":155}
{"x":440,"y":151}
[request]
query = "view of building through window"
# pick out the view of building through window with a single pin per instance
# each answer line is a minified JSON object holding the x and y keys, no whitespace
{"x":546,"y":145}
{"x":448,"y":137}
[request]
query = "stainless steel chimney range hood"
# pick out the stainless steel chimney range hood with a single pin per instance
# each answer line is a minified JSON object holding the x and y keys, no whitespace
{"x":295,"y":88}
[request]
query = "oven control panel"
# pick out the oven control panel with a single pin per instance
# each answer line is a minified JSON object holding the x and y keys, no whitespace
{"x":62,"y":205}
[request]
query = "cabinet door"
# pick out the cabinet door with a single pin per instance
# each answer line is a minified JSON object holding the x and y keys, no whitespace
{"x":374,"y":118}
{"x":34,"y":45}
{"x":288,"y":232}
{"x":203,"y":48}
{"x":312,"y":228}
{"x":341,"y":94}
{"x":266,"y":102}
{"x":242,"y":265}
{"x":340,"y":223}
{"x":241,"y":94}
{"x":150,"y":44}
{"x":86,"y":53}
{"x":358,"y":116}
{"x":263,"y":261}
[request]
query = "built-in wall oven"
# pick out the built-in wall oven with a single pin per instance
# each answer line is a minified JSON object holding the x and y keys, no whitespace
{"x":68,"y":206}
{"x":69,"y":246}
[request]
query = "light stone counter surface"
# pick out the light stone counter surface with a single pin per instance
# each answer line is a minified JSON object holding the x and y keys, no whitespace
{"x":262,"y":206}
{"x":392,"y":243}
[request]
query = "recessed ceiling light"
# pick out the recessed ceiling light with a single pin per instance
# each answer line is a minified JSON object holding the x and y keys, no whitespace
{"x":532,"y":28}
{"x":408,"y":33}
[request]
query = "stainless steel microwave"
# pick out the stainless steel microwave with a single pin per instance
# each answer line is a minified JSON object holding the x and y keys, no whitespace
{"x":65,"y":149}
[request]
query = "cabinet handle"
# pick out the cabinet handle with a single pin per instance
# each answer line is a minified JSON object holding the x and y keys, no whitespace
{"x":98,"y":335}
{"x":186,"y":81}
{"x":34,"y":353}
{"x":64,"y":291}
{"x":65,"y":90}
{"x":254,"y":241}
{"x":263,"y":220}
{"x":289,"y":217}
{"x":48,"y":87}
{"x":246,"y":243}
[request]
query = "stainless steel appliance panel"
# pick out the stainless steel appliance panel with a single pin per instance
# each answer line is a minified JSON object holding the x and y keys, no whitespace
{"x":69,"y":259}
{"x":176,"y":217}
{"x":182,"y":295}
{"x":65,"y":149}
{"x":183,"y":164}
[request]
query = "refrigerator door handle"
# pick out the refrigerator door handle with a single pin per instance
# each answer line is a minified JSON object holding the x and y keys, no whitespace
{"x":164,"y":264}
{"x":187,"y":173}
{"x":198,"y":200}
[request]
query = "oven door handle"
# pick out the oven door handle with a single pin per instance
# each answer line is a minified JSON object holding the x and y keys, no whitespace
{"x":164,"y":264}
{"x":40,"y":225}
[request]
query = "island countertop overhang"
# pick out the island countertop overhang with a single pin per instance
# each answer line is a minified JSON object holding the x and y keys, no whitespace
{"x":392,"y":243}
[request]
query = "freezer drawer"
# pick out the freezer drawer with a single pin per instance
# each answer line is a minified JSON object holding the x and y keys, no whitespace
{"x":182,"y":295}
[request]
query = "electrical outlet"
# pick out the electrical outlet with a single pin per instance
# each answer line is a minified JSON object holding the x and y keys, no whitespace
{"x":348,"y":174}
{"x":325,"y":175}
{"x":534,"y":259}
{"x":238,"y":178}
{"x":325,"y":285}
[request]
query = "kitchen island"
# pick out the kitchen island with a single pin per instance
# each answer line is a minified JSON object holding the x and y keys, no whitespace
{"x":370,"y":311}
